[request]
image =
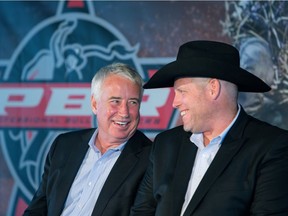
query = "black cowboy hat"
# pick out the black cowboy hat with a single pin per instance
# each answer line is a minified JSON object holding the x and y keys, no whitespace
{"x":209,"y":59}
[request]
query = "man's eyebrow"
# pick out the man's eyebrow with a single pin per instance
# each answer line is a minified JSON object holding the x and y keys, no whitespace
{"x":136,"y":99}
{"x":119,"y":98}
{"x":114,"y":97}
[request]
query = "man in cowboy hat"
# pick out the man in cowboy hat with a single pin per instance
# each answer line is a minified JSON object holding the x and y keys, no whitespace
{"x":221,"y":162}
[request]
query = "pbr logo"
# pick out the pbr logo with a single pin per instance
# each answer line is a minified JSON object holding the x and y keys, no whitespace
{"x":45,"y":90}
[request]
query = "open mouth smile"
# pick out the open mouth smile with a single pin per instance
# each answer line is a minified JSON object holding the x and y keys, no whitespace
{"x":182,"y":113}
{"x":120,"y":123}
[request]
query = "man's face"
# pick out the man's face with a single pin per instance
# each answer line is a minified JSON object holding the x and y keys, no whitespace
{"x":190,"y":100}
{"x":117,"y":110}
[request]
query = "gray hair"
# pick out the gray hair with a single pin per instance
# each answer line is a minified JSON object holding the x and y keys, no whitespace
{"x":120,"y":69}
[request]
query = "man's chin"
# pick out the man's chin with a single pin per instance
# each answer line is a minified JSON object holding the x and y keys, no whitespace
{"x":186,"y":128}
{"x":123,"y":135}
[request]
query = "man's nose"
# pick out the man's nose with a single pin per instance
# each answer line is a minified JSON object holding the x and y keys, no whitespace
{"x":175,"y":102}
{"x":124,"y":110}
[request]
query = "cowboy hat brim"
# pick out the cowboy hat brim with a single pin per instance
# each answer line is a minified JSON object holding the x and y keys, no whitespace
{"x":209,"y":68}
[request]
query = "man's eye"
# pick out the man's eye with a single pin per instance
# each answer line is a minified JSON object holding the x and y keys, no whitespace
{"x":133,"y":102}
{"x":115,"y":101}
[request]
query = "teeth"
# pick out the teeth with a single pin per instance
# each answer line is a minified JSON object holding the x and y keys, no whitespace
{"x":182,"y":113}
{"x":121,"y":123}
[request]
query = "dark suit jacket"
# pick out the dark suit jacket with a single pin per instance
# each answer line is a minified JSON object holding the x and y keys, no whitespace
{"x":65,"y":158}
{"x":248,"y":176}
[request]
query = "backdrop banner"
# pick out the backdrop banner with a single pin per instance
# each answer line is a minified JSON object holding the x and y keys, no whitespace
{"x":50,"y":50}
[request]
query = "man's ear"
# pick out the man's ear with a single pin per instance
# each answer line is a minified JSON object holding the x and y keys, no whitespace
{"x":215,"y":88}
{"x":93,"y":104}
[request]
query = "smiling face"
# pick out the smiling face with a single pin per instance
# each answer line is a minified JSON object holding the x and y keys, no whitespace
{"x":191,"y":101}
{"x":117,"y":109}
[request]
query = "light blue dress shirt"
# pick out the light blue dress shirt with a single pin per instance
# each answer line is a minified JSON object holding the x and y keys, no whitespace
{"x":90,"y":179}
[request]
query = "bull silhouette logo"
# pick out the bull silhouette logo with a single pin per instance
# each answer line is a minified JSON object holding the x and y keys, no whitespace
{"x":71,"y":58}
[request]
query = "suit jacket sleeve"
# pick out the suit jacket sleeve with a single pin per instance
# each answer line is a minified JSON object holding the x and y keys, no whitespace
{"x":166,"y":155}
{"x":271,"y":191}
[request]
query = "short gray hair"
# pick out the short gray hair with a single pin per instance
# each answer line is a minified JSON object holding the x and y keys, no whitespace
{"x":120,"y":69}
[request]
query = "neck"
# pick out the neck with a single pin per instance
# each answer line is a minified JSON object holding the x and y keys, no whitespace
{"x":220,"y":123}
{"x":104,"y":146}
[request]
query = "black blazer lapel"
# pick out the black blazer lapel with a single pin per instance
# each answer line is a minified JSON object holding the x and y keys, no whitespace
{"x":182,"y":173}
{"x":230,"y":146}
{"x":69,"y":171}
{"x":123,"y":166}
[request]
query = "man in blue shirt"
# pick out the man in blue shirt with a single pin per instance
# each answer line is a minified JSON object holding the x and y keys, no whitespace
{"x":97,"y":171}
